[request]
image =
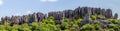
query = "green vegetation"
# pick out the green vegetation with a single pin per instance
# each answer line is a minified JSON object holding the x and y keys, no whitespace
{"x":87,"y":27}
{"x":66,"y":25}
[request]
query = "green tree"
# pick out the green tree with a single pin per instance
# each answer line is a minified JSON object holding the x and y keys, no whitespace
{"x":24,"y":27}
{"x":65,"y":24}
{"x":114,"y":21}
{"x":93,"y":17}
{"x":97,"y":27}
{"x":15,"y":28}
{"x":87,"y":27}
{"x":34,"y":26}
{"x":46,"y":25}
{"x":75,"y":25}
{"x":114,"y":27}
{"x":2,"y":28}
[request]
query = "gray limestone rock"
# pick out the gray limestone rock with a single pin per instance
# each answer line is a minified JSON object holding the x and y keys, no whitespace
{"x":115,"y":16}
{"x":108,"y":13}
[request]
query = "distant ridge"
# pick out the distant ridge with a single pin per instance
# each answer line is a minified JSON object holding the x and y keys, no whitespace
{"x":80,"y":12}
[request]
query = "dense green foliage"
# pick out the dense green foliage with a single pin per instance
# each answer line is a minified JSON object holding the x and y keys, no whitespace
{"x":66,"y":25}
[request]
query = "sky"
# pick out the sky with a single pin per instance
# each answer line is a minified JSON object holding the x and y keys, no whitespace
{"x":24,"y":7}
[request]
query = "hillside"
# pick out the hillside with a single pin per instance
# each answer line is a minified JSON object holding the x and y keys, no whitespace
{"x":78,"y":19}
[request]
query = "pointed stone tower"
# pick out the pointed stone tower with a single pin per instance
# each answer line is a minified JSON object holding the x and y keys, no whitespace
{"x":86,"y":17}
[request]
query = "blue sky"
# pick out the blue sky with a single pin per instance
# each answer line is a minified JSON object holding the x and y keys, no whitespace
{"x":23,"y":7}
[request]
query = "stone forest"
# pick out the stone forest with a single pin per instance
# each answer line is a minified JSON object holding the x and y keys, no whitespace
{"x":78,"y":19}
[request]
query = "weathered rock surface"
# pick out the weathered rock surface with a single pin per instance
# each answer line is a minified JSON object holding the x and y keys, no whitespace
{"x":115,"y":16}
{"x":58,"y":16}
{"x":79,"y":12}
{"x":108,"y":13}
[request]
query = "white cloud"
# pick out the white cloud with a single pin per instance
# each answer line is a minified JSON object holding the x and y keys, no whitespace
{"x":48,"y":0}
{"x":17,"y":14}
{"x":1,"y":2}
{"x":28,"y":12}
{"x":43,"y":0}
{"x":22,"y":13}
{"x":53,"y":0}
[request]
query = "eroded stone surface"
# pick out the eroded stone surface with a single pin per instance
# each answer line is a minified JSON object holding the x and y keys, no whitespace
{"x":80,"y":12}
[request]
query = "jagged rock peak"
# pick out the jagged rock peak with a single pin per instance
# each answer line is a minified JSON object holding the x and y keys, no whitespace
{"x":79,"y":12}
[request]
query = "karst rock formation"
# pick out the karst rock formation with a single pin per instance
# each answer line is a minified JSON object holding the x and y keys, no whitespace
{"x":80,"y":12}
